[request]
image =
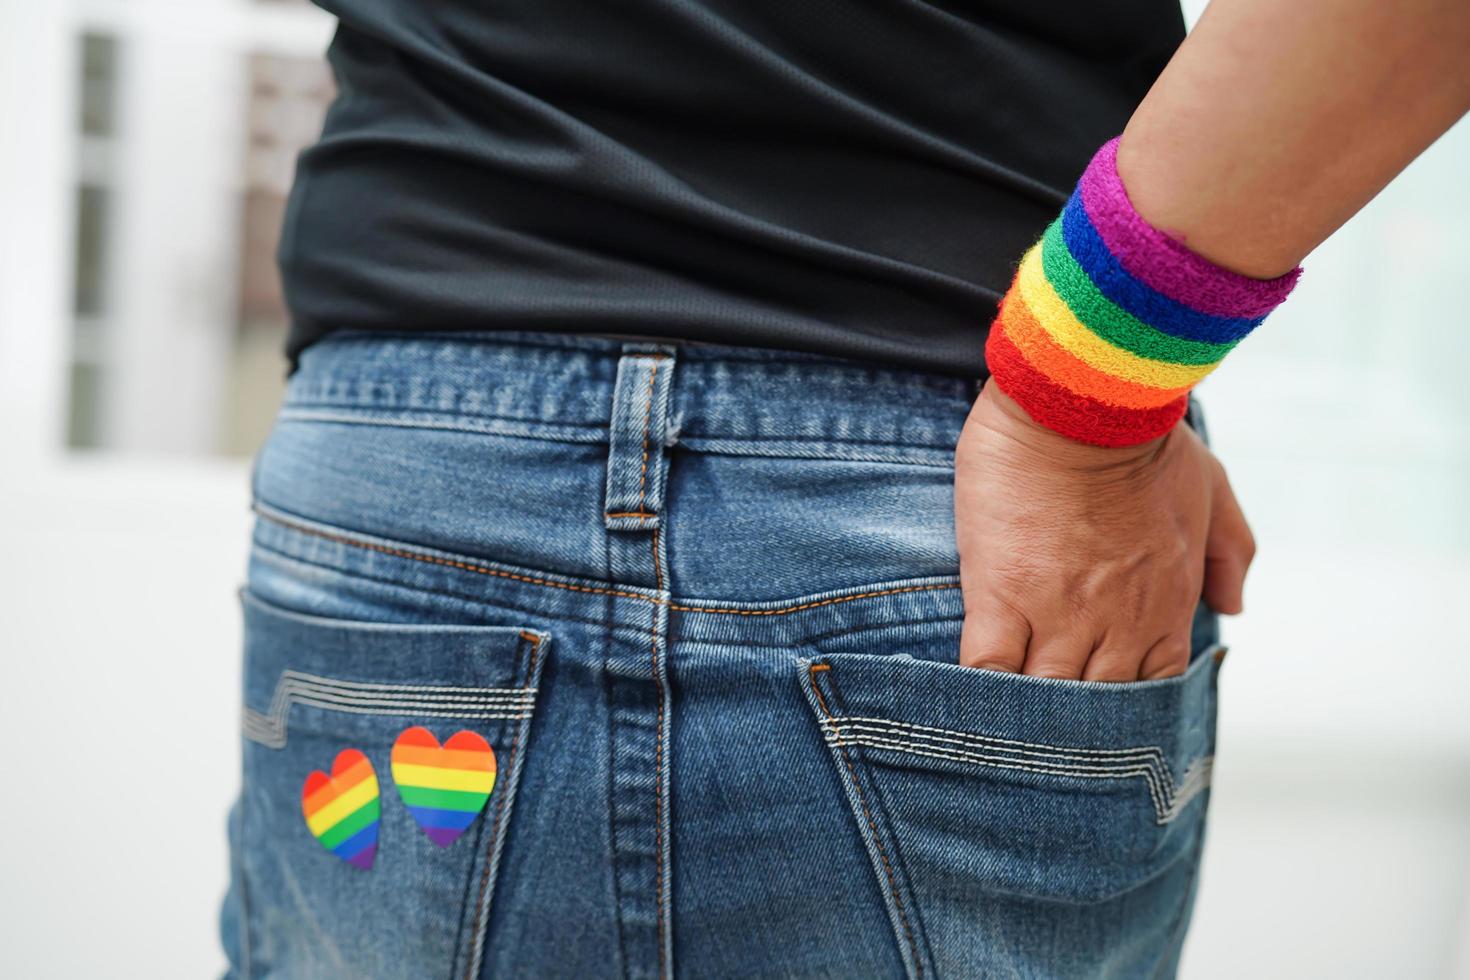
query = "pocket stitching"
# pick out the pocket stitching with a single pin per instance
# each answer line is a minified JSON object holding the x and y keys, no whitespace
{"x":271,"y":729}
{"x":492,"y":857}
{"x":1169,"y":799}
{"x":877,"y":837}
{"x":510,"y":705}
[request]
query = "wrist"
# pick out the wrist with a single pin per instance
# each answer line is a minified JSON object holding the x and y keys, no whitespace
{"x":1109,"y":322}
{"x":1009,"y":420}
{"x":1215,"y":226}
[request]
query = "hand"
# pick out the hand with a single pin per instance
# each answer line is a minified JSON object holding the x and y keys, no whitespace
{"x":1084,"y":562}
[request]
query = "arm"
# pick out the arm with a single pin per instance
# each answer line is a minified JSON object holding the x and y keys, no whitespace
{"x":1271,"y":126}
{"x":1274,"y":123}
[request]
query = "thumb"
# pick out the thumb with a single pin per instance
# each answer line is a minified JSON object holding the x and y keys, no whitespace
{"x":1229,"y":549}
{"x":994,"y":637}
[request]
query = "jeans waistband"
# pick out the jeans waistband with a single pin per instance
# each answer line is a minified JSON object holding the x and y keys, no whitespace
{"x":723,"y":398}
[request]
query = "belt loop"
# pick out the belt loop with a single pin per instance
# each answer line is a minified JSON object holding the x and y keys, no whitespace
{"x":638,"y":428}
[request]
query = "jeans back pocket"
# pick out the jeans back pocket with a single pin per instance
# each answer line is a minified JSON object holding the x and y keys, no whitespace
{"x":385,"y":866}
{"x":997,"y":807}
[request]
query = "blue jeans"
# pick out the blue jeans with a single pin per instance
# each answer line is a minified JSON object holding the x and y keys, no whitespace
{"x":703,"y":603}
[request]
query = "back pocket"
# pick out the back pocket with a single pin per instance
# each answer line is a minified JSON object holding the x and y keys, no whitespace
{"x":386,"y":866}
{"x":977,"y":791}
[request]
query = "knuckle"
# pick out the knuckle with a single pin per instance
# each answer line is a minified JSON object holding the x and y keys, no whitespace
{"x":1054,"y":672}
{"x":994,"y":660}
{"x":1170,"y":668}
{"x":1113,"y":668}
{"x":1167,"y":659}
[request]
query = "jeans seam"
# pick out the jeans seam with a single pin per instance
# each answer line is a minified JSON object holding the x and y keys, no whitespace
{"x":508,"y":427}
{"x":501,"y":604}
{"x":480,"y":569}
{"x":1167,"y":803}
{"x":658,"y":745}
{"x":465,"y":566}
{"x":304,"y":409}
{"x":614,"y":856}
{"x":497,"y":827}
{"x":834,"y":600}
{"x":271,"y":728}
{"x":493,"y":426}
{"x":658,"y":796}
{"x":893,"y":890}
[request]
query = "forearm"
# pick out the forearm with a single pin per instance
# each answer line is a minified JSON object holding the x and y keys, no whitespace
{"x":1274,"y":123}
{"x":1271,"y":126}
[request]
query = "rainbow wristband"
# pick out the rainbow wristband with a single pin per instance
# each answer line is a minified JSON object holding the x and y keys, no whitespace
{"x":1109,"y":322}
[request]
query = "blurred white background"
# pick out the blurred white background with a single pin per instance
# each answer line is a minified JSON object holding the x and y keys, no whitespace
{"x":147,"y":148}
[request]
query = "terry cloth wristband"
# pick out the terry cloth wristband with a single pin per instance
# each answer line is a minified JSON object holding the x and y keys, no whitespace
{"x":1109,"y":322}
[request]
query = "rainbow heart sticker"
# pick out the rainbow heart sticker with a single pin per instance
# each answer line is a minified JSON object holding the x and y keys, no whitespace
{"x":342,"y":809}
{"x":444,"y":787}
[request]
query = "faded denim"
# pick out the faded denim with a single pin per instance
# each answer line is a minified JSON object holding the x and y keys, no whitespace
{"x":704,"y":603}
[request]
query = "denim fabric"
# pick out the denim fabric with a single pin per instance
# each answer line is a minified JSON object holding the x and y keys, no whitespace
{"x":704,"y":603}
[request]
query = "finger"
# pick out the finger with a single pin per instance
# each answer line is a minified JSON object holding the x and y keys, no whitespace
{"x":994,"y":637}
{"x":1061,"y":654}
{"x":1229,"y":549}
{"x":1166,"y":658}
{"x":1117,"y":658}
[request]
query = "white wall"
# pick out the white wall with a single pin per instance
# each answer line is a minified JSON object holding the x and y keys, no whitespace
{"x":120,"y":706}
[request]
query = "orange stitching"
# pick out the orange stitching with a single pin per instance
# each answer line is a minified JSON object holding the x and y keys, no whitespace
{"x":436,"y":560}
{"x":531,"y":580}
{"x":872,"y":825}
{"x":510,"y":763}
{"x":658,"y":575}
{"x":647,"y":421}
{"x":818,"y":691}
{"x":631,"y":513}
{"x":658,"y":791}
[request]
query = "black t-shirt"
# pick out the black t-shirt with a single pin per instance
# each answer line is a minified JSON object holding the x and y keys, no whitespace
{"x":851,"y":178}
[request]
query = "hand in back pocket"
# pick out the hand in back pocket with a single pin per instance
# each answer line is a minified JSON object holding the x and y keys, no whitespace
{"x":1082,"y":562}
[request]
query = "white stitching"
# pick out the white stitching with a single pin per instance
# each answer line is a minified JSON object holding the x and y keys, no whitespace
{"x":429,"y":688}
{"x":372,"y":697}
{"x":1150,"y":757}
{"x":1008,"y":762}
{"x":1166,"y":805}
{"x":1154,"y":771}
{"x":990,"y":738}
{"x":1196,"y":778}
{"x":1167,"y":802}
{"x":921,"y":732}
{"x":360,"y":697}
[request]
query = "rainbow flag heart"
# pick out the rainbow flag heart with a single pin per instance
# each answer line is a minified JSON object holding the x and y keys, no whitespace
{"x":342,"y":809}
{"x":443,"y":786}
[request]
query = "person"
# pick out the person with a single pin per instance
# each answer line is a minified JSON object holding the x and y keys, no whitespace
{"x":739,"y":507}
